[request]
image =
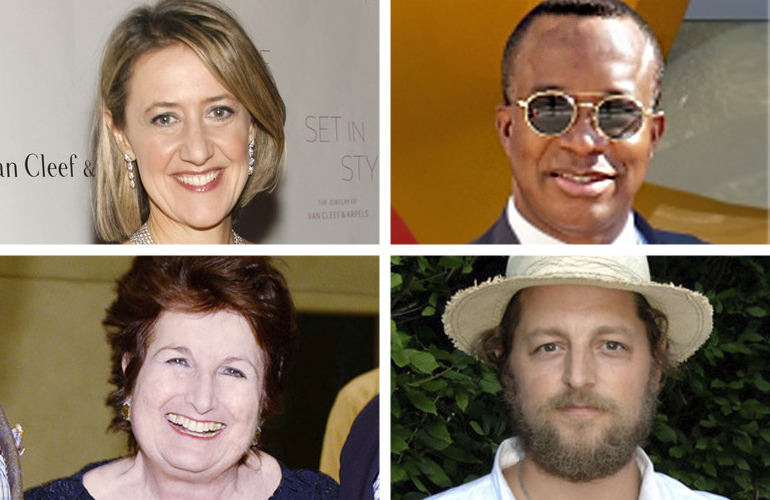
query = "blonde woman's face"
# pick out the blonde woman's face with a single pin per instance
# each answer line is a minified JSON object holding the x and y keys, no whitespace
{"x":189,"y":137}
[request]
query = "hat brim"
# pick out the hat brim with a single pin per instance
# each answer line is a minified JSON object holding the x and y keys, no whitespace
{"x":474,"y":311}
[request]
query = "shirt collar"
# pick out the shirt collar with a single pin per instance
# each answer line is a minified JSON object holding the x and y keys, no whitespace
{"x":528,"y":234}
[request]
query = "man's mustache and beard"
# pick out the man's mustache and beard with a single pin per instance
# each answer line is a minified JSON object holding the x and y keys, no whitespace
{"x":568,"y":457}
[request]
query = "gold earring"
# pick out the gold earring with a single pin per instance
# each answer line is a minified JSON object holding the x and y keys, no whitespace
{"x":125,"y":411}
{"x":257,"y":436}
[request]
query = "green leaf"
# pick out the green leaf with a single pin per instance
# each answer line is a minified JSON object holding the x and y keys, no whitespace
{"x":677,"y":451}
{"x":400,"y":357}
{"x":757,"y":311}
{"x":476,"y":427}
{"x":397,"y":473}
{"x":665,"y":433}
{"x":417,"y":482}
{"x":422,"y":402}
{"x":435,"y":385}
{"x":743,"y":443}
{"x":735,"y":348}
{"x":395,"y":280}
{"x":451,"y":262}
{"x":422,"y":361}
{"x":710,"y":469}
{"x":462,"y":400}
{"x":725,"y":460}
{"x":434,"y":472}
{"x":761,"y":384}
{"x":427,"y":441}
{"x":397,"y":444}
{"x":398,"y":340}
{"x":751,"y":337}
{"x":438,"y":429}
{"x":490,"y":384}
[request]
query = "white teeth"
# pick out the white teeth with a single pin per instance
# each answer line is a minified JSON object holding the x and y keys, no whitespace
{"x":193,"y":426}
{"x":583,"y":179}
{"x":199,"y":180}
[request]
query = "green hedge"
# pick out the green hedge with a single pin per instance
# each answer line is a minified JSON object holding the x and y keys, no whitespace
{"x":713,"y":426}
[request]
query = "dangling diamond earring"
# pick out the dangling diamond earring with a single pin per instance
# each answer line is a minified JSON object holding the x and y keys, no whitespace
{"x":252,"y":160}
{"x":130,"y":164}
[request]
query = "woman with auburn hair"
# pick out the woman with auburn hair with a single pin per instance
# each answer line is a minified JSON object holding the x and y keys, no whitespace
{"x":188,"y":126}
{"x":200,"y":347}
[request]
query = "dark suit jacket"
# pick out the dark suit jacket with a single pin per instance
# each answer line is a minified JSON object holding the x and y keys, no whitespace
{"x":501,"y":234}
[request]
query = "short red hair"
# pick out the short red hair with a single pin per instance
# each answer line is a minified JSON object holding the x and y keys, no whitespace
{"x":249,"y":286}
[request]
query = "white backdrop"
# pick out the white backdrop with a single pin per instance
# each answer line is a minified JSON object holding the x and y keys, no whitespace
{"x":323,"y":55}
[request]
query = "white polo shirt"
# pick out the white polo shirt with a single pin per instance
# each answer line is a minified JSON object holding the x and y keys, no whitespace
{"x":655,"y":486}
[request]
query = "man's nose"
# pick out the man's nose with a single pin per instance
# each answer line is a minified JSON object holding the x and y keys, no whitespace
{"x":579,"y":369}
{"x":584,"y":138}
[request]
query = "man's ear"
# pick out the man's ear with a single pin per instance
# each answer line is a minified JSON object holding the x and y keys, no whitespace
{"x":119,"y":135}
{"x":657,"y":127}
{"x":491,"y":347}
{"x":504,"y":124}
{"x":658,"y":379}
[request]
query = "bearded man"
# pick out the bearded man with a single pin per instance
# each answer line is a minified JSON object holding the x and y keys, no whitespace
{"x":583,"y":345}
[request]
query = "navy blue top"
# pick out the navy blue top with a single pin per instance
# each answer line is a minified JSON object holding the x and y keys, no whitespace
{"x":360,"y":457}
{"x":295,"y":485}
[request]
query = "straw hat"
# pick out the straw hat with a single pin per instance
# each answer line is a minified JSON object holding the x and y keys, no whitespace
{"x":476,"y":310}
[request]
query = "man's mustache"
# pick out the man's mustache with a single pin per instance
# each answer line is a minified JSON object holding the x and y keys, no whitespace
{"x":579,"y":398}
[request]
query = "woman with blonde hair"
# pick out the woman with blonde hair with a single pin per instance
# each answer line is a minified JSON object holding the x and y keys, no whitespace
{"x":188,"y":129}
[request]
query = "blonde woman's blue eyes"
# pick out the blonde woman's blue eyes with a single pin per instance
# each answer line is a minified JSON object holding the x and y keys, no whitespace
{"x":219,"y":113}
{"x":222,"y":112}
{"x":163,"y":120}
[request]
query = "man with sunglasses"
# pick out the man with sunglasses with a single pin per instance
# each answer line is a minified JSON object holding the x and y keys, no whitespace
{"x":581,"y":81}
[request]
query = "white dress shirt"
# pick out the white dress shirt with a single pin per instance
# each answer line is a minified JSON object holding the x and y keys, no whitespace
{"x":528,"y":234}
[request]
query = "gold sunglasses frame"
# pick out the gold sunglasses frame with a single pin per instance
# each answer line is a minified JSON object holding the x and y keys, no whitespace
{"x":576,"y":105}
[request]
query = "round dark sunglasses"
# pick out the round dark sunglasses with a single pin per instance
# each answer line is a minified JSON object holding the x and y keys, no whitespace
{"x":553,"y":112}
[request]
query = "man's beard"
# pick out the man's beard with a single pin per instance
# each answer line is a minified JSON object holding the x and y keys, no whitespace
{"x":581,"y":461}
